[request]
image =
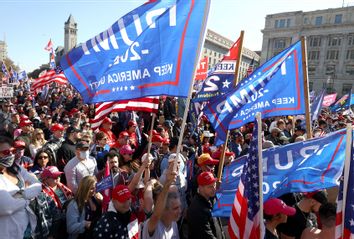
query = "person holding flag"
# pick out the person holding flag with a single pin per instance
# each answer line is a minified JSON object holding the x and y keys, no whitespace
{"x":201,"y":224}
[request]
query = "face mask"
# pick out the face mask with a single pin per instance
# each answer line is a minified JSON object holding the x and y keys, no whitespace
{"x":7,"y":161}
{"x":84,"y":154}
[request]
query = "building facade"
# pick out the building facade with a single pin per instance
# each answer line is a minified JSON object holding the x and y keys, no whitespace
{"x":330,"y":44}
{"x":216,"y":46}
{"x":3,"y":51}
{"x":70,"y":36}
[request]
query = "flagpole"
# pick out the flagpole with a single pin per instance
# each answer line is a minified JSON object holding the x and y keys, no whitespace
{"x":237,"y":70}
{"x":348,"y":148}
{"x":260,"y":171}
{"x":306,"y":88}
{"x":196,"y":61}
{"x":150,"y":134}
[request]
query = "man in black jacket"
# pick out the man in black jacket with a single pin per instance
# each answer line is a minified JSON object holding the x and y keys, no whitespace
{"x":200,"y":221}
{"x":67,"y":149}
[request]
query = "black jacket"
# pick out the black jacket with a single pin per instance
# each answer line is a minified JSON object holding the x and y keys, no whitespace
{"x":65,"y":153}
{"x":200,"y":222}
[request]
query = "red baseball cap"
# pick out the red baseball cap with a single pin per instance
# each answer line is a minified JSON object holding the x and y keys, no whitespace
{"x":51,"y":172}
{"x":26,"y":122}
{"x":121,"y":193}
{"x":274,"y":206}
{"x":206,"y":159}
{"x":132,"y":123}
{"x":126,"y":149}
{"x":157,"y":138}
{"x":123,"y":134}
{"x":166,"y":141}
{"x":57,"y":127}
{"x":106,"y":121}
{"x":206,"y":178}
{"x":19,"y":144}
{"x":23,"y":117}
{"x":217,"y":154}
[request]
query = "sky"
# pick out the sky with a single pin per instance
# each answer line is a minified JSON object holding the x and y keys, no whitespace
{"x":27,"y":25}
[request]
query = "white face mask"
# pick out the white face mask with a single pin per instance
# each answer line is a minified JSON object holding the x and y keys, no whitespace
{"x":84,"y":154}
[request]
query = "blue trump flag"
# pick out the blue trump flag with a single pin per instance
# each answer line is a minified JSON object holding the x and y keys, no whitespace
{"x":300,"y":167}
{"x":105,"y":183}
{"x":152,"y":50}
{"x":22,"y":75}
{"x":274,"y":89}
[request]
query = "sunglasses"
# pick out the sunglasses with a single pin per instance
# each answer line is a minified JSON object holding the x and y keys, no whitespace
{"x":7,"y":151}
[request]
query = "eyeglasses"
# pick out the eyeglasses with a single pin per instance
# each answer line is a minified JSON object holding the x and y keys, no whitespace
{"x":43,"y":157}
{"x":7,"y":151}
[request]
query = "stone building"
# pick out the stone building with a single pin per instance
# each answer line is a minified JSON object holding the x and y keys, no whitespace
{"x":330,"y":44}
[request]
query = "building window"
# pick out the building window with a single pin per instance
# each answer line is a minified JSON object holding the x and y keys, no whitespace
{"x":351,"y":40}
{"x":311,"y":70}
{"x":330,"y":70}
{"x":338,"y":19}
{"x":346,"y":88}
{"x":334,"y":41}
{"x":315,"y":41}
{"x":314,"y":55}
{"x":350,"y":54}
{"x":279,"y":43}
{"x":306,"y":21}
{"x":282,"y":23}
{"x":318,"y":21}
{"x":332,"y":54}
{"x":349,"y":70}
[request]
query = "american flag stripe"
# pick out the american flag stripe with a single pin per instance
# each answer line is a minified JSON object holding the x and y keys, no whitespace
{"x":146,"y":104}
{"x":246,"y":211}
{"x":47,"y":78}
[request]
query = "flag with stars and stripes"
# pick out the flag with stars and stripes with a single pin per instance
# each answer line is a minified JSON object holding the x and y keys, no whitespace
{"x":345,"y":226}
{"x":146,"y":104}
{"x":55,"y":75}
{"x":220,"y":77}
{"x":274,"y":89}
{"x":250,"y":68}
{"x":245,"y":214}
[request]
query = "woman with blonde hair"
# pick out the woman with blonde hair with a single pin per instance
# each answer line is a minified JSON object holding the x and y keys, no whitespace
{"x":84,"y":210}
{"x":37,"y":141}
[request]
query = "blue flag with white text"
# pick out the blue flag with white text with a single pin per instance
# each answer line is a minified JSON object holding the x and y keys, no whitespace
{"x":22,"y":75}
{"x":274,"y":89}
{"x":150,"y":51}
{"x":300,"y":167}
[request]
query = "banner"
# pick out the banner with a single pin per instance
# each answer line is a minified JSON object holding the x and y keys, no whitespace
{"x":151,"y":51}
{"x":6,"y":92}
{"x":202,"y":69}
{"x":328,"y":100}
{"x":221,"y":77}
{"x":274,"y":89}
{"x":300,"y":167}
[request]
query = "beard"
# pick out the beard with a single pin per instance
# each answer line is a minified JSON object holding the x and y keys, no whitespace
{"x":115,"y":169}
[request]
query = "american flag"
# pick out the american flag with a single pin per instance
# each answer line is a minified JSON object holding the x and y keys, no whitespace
{"x":146,"y":104}
{"x":55,"y":75}
{"x":244,"y":219}
{"x":250,"y":68}
{"x":348,"y":230}
{"x":49,"y":46}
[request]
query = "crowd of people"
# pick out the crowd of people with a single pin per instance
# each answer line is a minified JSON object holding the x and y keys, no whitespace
{"x":51,"y":161}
